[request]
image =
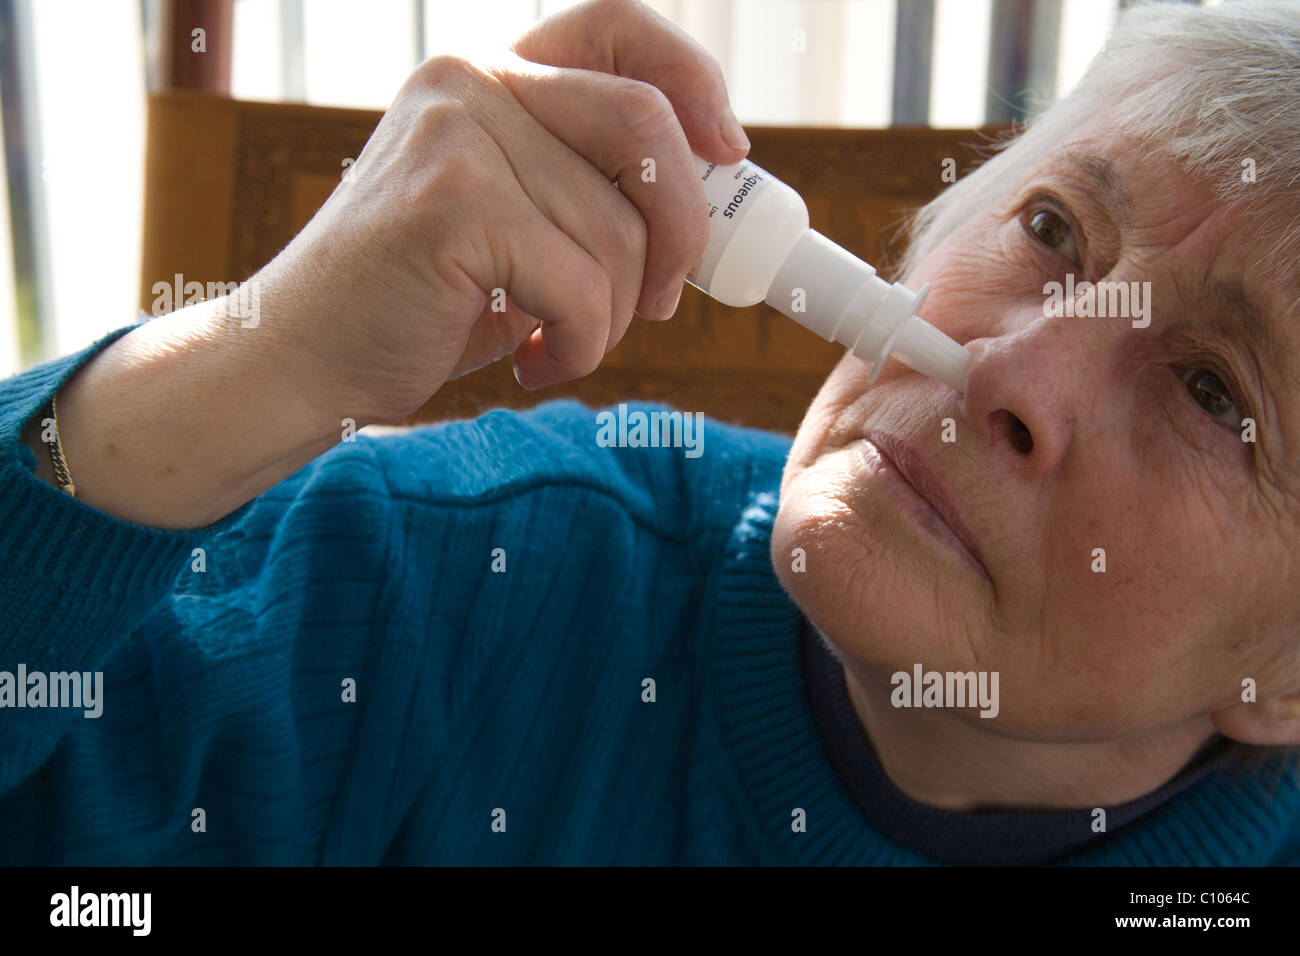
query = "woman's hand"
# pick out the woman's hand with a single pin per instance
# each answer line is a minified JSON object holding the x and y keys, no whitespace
{"x":485,"y":206}
{"x":483,"y":185}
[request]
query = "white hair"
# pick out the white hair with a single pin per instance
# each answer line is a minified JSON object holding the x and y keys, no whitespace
{"x":1211,"y":87}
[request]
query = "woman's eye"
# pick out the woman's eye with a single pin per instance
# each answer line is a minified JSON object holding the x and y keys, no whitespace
{"x":1212,"y":395}
{"x":1055,"y":232}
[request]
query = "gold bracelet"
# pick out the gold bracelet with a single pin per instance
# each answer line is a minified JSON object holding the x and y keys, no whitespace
{"x":61,"y":473}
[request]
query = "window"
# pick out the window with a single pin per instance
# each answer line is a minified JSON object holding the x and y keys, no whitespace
{"x":73,"y":83}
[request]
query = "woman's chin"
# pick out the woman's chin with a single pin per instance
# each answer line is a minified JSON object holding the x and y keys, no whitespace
{"x":878,"y":584}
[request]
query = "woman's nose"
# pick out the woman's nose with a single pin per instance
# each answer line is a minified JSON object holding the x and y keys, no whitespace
{"x":1026,"y":391}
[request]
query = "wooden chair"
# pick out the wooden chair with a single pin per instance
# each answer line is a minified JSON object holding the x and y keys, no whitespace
{"x":229,"y":183}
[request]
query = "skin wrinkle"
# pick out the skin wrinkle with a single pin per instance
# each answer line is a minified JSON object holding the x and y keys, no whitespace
{"x":1267,"y":345}
{"x":1107,"y":181}
{"x":1232,"y":297}
{"x":1269,"y":451}
{"x":1109,"y":682}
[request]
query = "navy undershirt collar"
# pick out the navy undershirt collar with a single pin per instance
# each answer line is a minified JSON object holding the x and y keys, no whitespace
{"x":985,"y":837}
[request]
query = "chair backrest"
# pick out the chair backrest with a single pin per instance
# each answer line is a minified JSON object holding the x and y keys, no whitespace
{"x":229,"y":183}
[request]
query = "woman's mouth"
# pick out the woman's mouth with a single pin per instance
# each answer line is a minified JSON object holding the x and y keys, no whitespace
{"x":920,"y":494}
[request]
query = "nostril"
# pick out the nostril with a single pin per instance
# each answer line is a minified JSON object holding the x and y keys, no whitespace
{"x":1002,"y":422}
{"x":1021,"y":440}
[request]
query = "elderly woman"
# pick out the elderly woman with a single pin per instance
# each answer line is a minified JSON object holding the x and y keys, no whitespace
{"x":500,"y":641}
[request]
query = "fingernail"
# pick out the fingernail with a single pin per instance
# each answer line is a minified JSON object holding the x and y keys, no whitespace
{"x":667,"y":304}
{"x":732,"y":132}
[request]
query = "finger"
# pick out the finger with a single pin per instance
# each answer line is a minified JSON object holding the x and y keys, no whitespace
{"x":554,"y":279}
{"x":631,"y":40}
{"x":573,"y":194}
{"x":497,"y":331}
{"x":628,"y":130}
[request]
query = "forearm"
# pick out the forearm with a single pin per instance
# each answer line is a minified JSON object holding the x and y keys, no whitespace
{"x":189,"y":416}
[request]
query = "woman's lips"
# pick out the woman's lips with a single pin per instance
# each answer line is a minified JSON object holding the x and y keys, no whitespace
{"x":923,"y":495}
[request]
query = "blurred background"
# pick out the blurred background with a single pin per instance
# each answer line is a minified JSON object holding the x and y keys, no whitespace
{"x":75,"y":76}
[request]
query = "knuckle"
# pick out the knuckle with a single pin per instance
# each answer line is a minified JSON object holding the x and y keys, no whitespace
{"x":626,"y":231}
{"x":643,"y":109}
{"x":594,"y":290}
{"x":615,"y":8}
{"x":452,"y":178}
{"x":447,"y":69}
{"x":436,"y":122}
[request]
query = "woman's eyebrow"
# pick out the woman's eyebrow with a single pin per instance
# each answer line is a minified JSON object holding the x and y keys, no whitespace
{"x":1239,"y":315}
{"x":1106,"y":178}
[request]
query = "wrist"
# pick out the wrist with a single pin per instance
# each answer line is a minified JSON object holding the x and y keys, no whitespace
{"x":185,"y":419}
{"x":341,"y":360}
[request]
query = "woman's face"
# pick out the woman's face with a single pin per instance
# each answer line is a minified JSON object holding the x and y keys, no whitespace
{"x":1076,"y":436}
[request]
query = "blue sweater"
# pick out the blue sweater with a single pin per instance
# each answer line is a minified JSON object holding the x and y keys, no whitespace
{"x":354,"y":679}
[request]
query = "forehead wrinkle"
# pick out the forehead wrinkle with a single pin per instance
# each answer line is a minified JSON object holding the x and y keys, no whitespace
{"x":1106,"y":178}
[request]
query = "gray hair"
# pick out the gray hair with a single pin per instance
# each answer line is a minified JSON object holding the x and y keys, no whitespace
{"x":1212,"y":87}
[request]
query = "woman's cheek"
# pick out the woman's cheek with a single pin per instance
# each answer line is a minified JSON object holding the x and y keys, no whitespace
{"x":1183,"y":451}
{"x":972,"y":293}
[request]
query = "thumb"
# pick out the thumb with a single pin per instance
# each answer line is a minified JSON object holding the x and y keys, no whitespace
{"x":627,"y":38}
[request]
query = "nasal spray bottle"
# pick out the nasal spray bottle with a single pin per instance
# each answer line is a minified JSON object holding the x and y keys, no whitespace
{"x":760,"y":249}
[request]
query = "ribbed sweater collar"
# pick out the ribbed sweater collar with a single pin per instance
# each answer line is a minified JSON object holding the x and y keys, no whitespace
{"x":971,"y":838}
{"x":1229,"y":816}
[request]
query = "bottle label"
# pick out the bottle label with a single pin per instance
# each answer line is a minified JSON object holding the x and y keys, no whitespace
{"x":730,"y":192}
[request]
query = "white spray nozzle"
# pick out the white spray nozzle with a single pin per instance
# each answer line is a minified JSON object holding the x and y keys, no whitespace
{"x":846,"y":302}
{"x":904,"y":303}
{"x":921,"y":346}
{"x":918,"y":344}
